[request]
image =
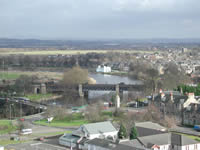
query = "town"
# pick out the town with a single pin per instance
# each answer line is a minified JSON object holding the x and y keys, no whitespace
{"x":143,"y":100}
{"x":99,"y":75}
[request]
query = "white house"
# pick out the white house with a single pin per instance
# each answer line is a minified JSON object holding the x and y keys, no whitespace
{"x":90,"y":131}
{"x":191,"y":100}
{"x":103,"y":69}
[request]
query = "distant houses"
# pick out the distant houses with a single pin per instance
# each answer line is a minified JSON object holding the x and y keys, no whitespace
{"x":103,"y":69}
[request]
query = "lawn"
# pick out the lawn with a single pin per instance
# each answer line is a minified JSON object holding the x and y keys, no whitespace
{"x":37,"y":97}
{"x":9,"y":75}
{"x":6,"y":126}
{"x":7,"y":142}
{"x":69,"y":121}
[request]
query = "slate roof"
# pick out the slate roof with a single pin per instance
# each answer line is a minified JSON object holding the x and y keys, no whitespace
{"x":100,"y":127}
{"x":182,"y":140}
{"x":69,"y":138}
{"x":147,"y":131}
{"x":159,"y":139}
{"x":150,"y":125}
{"x":110,"y":145}
{"x":162,"y":139}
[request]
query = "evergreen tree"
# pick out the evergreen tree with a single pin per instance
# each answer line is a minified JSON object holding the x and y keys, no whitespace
{"x":122,"y":132}
{"x":134,"y":133}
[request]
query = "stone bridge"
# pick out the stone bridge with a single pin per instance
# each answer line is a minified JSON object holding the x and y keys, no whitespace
{"x":83,"y":89}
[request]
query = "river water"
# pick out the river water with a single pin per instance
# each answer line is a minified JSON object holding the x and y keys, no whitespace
{"x":109,"y":79}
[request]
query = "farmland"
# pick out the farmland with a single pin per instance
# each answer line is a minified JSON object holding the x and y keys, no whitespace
{"x":28,"y":51}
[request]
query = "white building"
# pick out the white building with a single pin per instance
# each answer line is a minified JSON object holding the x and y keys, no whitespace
{"x":103,"y":69}
{"x":90,"y":131}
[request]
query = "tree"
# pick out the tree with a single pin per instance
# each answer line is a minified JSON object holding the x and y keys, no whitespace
{"x":76,"y":75}
{"x":134,"y":133}
{"x":122,"y":132}
{"x":24,"y":84}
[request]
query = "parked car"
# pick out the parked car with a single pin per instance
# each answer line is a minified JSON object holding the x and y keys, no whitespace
{"x":75,"y":110}
{"x":24,"y":99}
{"x":26,"y":131}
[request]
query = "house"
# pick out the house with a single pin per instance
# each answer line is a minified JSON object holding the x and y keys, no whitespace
{"x":191,"y":115}
{"x":90,"y":131}
{"x":103,"y":69}
{"x":180,"y":142}
{"x":173,"y":101}
{"x":102,"y":144}
{"x":153,"y":142}
{"x":166,"y":141}
{"x":150,"y":125}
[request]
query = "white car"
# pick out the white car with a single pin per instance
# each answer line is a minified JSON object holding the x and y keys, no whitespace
{"x":26,"y":131}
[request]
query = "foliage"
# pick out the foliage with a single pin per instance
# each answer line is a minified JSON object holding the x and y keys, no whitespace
{"x":189,"y":89}
{"x":93,"y":113}
{"x":134,"y":133}
{"x":122,"y":132}
{"x":6,"y":126}
{"x":24,"y":84}
{"x":76,"y":75}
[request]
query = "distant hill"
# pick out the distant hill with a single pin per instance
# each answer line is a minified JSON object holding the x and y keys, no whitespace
{"x":145,"y":44}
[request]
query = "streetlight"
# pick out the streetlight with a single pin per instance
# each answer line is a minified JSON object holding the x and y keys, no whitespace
{"x":10,"y":110}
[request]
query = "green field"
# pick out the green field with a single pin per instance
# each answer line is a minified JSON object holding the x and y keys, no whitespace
{"x":12,"y":75}
{"x":9,"y":75}
{"x":20,"y":51}
{"x":7,"y":142}
{"x":37,"y":97}
{"x":68,"y":121}
{"x":6,"y":126}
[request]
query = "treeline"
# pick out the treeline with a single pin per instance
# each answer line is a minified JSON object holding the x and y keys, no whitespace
{"x":189,"y":89}
{"x":31,"y":61}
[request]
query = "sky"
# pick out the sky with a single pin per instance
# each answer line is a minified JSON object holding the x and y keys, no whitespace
{"x":99,"y":19}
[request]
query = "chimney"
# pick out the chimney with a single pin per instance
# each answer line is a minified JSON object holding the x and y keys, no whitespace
{"x":191,"y":95}
{"x":161,"y":91}
{"x":162,"y":95}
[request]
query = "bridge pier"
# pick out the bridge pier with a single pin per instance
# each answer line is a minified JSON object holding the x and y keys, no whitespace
{"x":119,"y":92}
{"x":80,"y":90}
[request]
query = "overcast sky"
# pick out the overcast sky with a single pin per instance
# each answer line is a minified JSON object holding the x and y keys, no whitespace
{"x":99,"y":19}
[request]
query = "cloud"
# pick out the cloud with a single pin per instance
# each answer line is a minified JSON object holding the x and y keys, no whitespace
{"x":99,"y":18}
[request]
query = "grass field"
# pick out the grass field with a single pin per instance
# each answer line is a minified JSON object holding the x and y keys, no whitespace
{"x":6,"y":126}
{"x":37,"y":97}
{"x":9,"y":51}
{"x":73,"y":120}
{"x":7,"y":142}
{"x":11,"y":75}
